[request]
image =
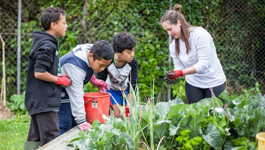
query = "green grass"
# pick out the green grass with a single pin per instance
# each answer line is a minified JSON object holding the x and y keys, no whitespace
{"x":14,"y":132}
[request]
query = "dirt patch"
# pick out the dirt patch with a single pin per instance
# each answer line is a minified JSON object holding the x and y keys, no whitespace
{"x":5,"y":113}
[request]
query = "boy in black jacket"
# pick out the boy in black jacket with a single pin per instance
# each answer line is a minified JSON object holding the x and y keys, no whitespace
{"x":43,"y":85}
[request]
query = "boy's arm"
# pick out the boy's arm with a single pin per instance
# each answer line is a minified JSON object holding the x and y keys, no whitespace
{"x":133,"y":77}
{"x":44,"y":57}
{"x":75,"y":91}
{"x":64,"y":80}
{"x":45,"y":76}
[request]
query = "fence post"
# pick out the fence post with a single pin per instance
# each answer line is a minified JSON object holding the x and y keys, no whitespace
{"x":3,"y":88}
{"x":19,"y":47}
{"x":169,"y":60}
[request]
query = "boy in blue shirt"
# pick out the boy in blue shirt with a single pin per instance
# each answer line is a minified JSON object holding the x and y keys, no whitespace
{"x":122,"y":70}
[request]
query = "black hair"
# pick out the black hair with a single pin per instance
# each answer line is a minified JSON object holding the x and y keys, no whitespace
{"x":102,"y":49}
{"x":122,"y":41}
{"x":50,"y":14}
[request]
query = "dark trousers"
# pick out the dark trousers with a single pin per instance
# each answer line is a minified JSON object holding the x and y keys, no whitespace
{"x":66,"y":119}
{"x":43,"y":127}
{"x":195,"y":94}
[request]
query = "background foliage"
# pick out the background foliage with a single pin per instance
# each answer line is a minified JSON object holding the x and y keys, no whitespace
{"x":235,"y":25}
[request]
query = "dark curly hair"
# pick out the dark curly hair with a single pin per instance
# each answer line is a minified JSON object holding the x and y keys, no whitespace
{"x":102,"y":49}
{"x":50,"y":14}
{"x":122,"y":41}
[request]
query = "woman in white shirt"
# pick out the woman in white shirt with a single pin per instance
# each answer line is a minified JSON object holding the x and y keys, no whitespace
{"x":194,"y":55}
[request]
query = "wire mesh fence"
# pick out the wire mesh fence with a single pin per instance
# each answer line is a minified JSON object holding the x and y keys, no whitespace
{"x":241,"y":36}
{"x":238,"y":35}
{"x":8,"y":26}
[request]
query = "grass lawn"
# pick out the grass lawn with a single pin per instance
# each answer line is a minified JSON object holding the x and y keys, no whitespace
{"x":14,"y":132}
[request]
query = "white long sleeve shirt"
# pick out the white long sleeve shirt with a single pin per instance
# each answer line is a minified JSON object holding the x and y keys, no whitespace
{"x":79,"y":76}
{"x":202,"y":56}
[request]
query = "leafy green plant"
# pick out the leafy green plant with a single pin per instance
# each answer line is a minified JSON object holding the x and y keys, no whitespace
{"x":108,"y":136}
{"x":178,"y":89}
{"x":185,"y":143}
{"x":248,"y":114}
{"x":176,"y":125}
{"x":16,"y":103}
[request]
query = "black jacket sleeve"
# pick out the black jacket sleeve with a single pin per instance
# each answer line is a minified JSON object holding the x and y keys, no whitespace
{"x":133,"y":77}
{"x":44,"y":58}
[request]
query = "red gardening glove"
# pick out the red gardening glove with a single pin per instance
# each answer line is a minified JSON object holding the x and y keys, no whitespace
{"x":127,"y":112}
{"x":172,"y":75}
{"x":84,"y":126}
{"x":64,"y":80}
{"x":102,"y":85}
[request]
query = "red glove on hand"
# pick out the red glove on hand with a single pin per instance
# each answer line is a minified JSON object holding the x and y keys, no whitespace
{"x":172,"y":75}
{"x":64,"y":81}
{"x":102,"y":85}
{"x":84,"y":126}
{"x":127,"y":112}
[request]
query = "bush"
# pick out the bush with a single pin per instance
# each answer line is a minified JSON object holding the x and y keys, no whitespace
{"x":16,"y":104}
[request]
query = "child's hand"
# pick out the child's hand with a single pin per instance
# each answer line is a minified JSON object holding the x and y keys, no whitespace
{"x":102,"y":85}
{"x":64,"y":81}
{"x":84,"y":126}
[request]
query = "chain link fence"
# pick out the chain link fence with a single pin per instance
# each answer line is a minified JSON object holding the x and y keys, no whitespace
{"x":8,"y":26}
{"x":239,"y":36}
{"x":242,"y":50}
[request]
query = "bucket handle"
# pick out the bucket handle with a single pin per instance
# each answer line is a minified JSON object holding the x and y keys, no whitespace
{"x":89,"y":101}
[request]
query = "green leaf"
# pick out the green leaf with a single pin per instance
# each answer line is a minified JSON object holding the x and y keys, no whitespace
{"x":177,"y":110}
{"x":127,"y":138}
{"x":95,"y":125}
{"x":224,"y":95}
{"x":196,"y":123}
{"x":213,"y":137}
{"x":162,"y":108}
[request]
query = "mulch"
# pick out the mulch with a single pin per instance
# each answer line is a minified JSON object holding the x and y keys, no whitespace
{"x":5,"y":113}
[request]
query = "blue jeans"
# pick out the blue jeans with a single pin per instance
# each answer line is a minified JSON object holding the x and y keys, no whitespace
{"x":117,"y":95}
{"x":65,"y":118}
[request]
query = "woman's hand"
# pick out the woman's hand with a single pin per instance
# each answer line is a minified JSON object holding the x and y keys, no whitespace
{"x":172,"y":75}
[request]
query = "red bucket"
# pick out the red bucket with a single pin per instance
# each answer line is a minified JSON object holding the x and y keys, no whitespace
{"x":96,"y":104}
